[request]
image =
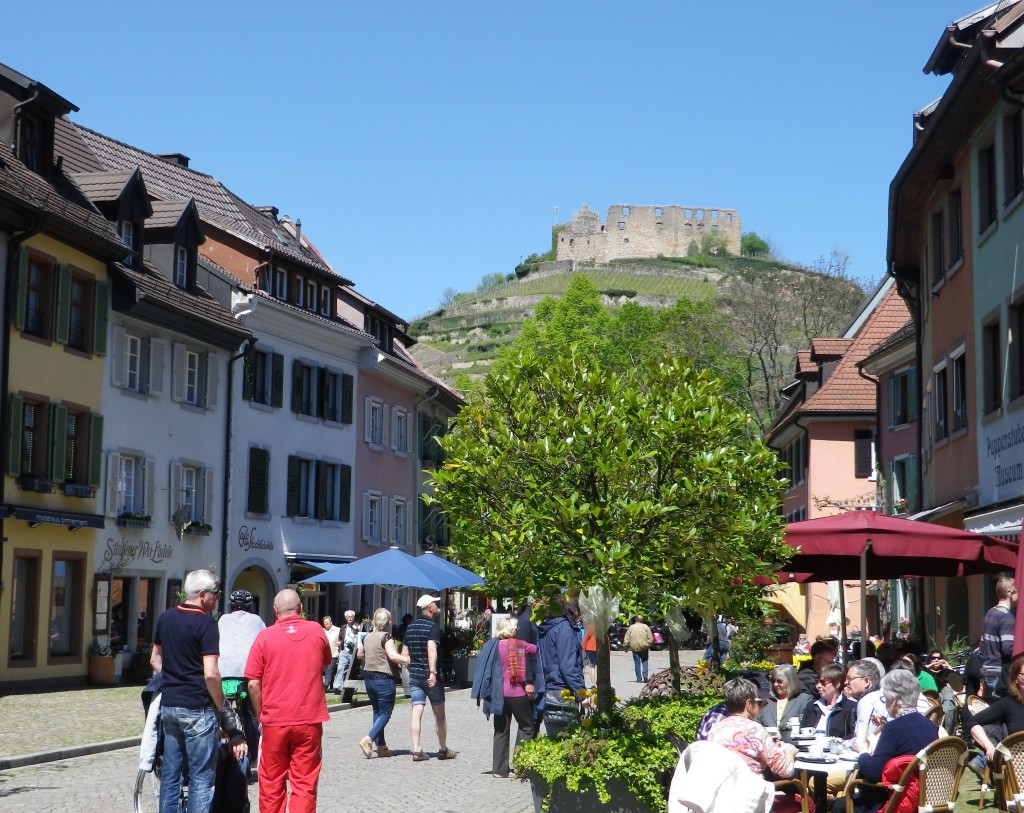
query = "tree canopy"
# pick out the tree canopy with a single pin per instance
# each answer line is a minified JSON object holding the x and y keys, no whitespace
{"x":564,"y":475}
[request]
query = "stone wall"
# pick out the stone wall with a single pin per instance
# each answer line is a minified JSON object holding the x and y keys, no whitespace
{"x":643,"y":231}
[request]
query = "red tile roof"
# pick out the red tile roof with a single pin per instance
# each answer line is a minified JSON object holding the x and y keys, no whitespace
{"x":846,"y":390}
{"x":835,"y":348}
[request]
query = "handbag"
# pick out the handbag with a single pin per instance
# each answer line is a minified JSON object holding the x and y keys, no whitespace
{"x":559,"y":711}
{"x":396,"y":668}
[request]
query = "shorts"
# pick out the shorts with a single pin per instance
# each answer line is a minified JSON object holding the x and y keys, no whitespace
{"x":419,"y":691}
{"x":592,"y":658}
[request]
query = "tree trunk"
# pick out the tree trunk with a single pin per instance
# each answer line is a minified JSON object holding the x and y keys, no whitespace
{"x":673,"y":658}
{"x":605,"y":692}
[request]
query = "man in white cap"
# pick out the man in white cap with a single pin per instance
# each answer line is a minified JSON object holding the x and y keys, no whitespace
{"x":423,"y":642}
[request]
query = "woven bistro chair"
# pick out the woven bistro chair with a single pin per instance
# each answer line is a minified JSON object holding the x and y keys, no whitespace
{"x":939,"y":767}
{"x":1007,"y":771}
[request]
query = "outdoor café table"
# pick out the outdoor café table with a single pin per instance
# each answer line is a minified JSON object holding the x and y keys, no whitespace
{"x":815,"y":776}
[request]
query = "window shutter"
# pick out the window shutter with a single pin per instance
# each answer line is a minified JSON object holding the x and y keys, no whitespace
{"x":347,"y":393}
{"x":178,"y":372}
{"x":118,"y":360}
{"x":912,"y":407}
{"x":320,"y":503}
{"x":890,"y":486}
{"x":212,"y":379}
{"x":18,"y":301}
{"x":862,"y":453}
{"x":157,"y":361}
{"x":296,"y":385}
{"x":890,"y":387}
{"x":94,"y":474}
{"x":912,"y":497}
{"x":249,"y":376}
{"x":293,"y":486}
{"x":57,"y":433}
{"x":277,"y":381}
{"x":394,"y":431}
{"x":175,"y":501}
{"x":14,"y":435}
{"x":346,"y":493}
{"x":149,"y":486}
{"x":113,"y":482}
{"x":209,"y":496}
{"x":367,"y":419}
{"x":366,"y":517}
{"x":100,"y":317}
{"x":259,"y":480}
{"x":386,"y":509}
{"x":61,"y":303}
{"x":321,"y":393}
{"x":385,"y":425}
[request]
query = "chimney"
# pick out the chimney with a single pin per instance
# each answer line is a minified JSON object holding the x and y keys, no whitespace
{"x":298,"y":232}
{"x":175,"y":158}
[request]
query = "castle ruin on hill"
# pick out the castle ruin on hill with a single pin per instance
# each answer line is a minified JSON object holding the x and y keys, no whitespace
{"x":642,"y":231}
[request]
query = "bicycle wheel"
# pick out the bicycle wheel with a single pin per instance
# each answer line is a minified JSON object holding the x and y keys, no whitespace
{"x":147,"y":792}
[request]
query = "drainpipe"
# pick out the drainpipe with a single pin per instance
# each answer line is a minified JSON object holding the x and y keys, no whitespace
{"x":228,"y":435}
{"x":13,"y":246}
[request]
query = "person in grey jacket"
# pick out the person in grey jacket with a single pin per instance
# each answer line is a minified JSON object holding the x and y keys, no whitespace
{"x":786,"y":701}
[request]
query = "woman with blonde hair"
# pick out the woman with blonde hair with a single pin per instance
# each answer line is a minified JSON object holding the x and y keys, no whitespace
{"x":500,"y":684}
{"x":378,"y":652}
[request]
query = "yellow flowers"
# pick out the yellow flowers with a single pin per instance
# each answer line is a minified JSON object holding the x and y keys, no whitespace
{"x":587,"y":722}
{"x":566,"y":694}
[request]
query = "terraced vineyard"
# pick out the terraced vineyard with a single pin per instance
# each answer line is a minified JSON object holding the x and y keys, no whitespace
{"x":465,"y":338}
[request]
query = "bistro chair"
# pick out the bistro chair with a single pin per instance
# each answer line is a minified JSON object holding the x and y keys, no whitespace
{"x":1007,"y":771}
{"x":939,"y":768}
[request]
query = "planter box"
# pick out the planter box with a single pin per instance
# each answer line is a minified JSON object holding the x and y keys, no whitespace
{"x":192,"y":530}
{"x":101,"y":670}
{"x":586,"y":801}
{"x":130,"y":522}
{"x":465,"y":669}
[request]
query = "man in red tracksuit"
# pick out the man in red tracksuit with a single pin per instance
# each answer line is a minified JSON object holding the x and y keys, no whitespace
{"x":284,"y":671}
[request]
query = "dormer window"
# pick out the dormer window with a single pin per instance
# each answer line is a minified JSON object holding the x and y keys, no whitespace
{"x":181,"y":266}
{"x":280,"y":283}
{"x":126,"y":229}
{"x":311,"y":295}
{"x":30,"y":147}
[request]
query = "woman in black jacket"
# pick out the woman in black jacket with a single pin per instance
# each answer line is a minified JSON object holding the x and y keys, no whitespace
{"x":834,"y":713}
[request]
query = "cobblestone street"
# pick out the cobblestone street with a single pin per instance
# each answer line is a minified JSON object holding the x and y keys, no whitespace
{"x":103,"y":783}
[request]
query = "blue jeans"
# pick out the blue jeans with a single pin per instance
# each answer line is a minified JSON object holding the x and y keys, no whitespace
{"x":190,"y":744}
{"x":344,"y":659}
{"x":640,"y":664}
{"x":381,"y":692}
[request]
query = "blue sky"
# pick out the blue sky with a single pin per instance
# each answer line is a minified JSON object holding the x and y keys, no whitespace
{"x":424,"y":145}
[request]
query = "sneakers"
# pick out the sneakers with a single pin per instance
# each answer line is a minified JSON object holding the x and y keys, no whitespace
{"x":447,"y":753}
{"x":977,"y":765}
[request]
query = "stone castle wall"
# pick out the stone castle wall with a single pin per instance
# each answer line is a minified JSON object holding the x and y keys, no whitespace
{"x":643,"y":231}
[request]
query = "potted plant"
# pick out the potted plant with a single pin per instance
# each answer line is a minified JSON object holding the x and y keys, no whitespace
{"x":199,"y":529}
{"x":621,"y":760}
{"x":134,"y":519}
{"x":101,"y":664}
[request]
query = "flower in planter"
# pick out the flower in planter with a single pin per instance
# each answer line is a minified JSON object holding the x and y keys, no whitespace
{"x":101,"y":650}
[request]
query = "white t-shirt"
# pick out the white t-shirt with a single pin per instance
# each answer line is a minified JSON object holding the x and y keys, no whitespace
{"x":237,"y":632}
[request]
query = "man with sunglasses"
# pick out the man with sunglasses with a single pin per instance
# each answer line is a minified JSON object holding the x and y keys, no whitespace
{"x":186,"y":649}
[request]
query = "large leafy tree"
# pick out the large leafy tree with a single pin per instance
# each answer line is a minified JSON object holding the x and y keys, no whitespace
{"x":566,"y":473}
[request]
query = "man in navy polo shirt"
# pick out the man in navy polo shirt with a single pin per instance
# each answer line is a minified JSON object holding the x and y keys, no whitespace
{"x":186,"y":647}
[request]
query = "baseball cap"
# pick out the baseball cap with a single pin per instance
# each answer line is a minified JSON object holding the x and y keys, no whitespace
{"x":426,"y":600}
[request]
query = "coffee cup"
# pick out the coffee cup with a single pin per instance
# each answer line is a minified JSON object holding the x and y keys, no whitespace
{"x":772,"y":731}
{"x":794,"y":724}
{"x":816,"y":748}
{"x":807,"y":731}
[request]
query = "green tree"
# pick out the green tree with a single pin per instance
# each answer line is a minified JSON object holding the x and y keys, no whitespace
{"x":565,"y":473}
{"x":751,"y":245}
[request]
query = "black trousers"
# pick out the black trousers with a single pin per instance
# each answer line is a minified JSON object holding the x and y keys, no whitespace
{"x":522,"y":709}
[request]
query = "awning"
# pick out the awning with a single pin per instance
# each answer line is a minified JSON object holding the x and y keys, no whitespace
{"x":43,"y":516}
{"x":1003,"y":523}
{"x":940,"y":511}
{"x":321,"y":563}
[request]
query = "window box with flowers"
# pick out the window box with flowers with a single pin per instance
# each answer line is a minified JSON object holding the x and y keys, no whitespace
{"x":134,"y":519}
{"x":198,"y":529}
{"x":899,"y":507}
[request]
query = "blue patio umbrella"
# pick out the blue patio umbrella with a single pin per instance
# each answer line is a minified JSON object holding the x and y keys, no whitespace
{"x":392,"y":569}
{"x":466,"y":578}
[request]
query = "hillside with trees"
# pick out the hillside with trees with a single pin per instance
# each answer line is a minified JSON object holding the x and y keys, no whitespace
{"x":740,"y":317}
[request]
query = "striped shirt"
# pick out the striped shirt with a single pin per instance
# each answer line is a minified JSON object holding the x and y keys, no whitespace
{"x":996,"y":640}
{"x":418,"y":633}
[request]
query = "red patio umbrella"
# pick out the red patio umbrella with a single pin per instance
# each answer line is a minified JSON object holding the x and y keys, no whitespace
{"x":877,"y":546}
